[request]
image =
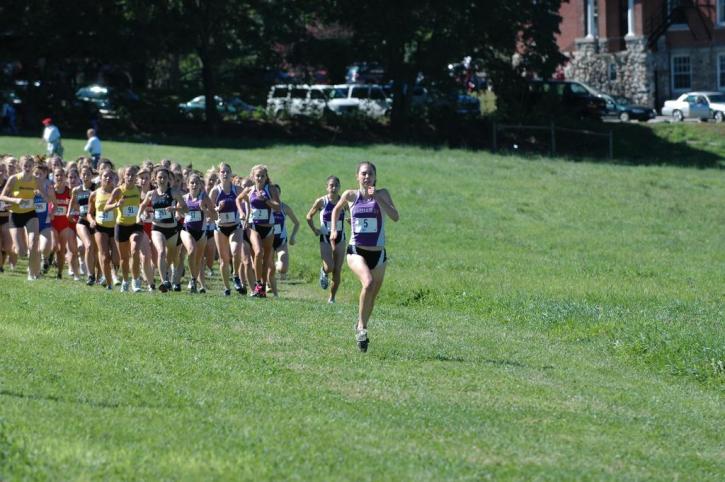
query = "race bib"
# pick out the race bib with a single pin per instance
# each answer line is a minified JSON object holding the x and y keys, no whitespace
{"x":228,"y":217}
{"x":161,"y":214}
{"x":338,"y":226}
{"x":104,"y":216}
{"x":192,"y":217}
{"x":129,"y":211}
{"x":259,"y":214}
{"x":84,"y":209}
{"x":59,"y":211}
{"x":364,"y":225}
{"x":277,"y":229}
{"x":41,"y":207}
{"x":26,"y":203}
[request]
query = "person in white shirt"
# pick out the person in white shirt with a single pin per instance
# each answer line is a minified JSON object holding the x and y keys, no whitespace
{"x":93,"y":147}
{"x":51,"y":136}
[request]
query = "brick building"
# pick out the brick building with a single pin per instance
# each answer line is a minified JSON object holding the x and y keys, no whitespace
{"x":647,"y":50}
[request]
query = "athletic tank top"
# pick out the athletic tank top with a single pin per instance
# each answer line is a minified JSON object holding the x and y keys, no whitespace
{"x":42,"y":212}
{"x":280,"y":230}
{"x":260,"y":212}
{"x":62,"y":201}
{"x":82,"y":196}
{"x":160,"y":203}
{"x":326,"y":217}
{"x":25,"y":190}
{"x":194,"y":218}
{"x":106,"y":219}
{"x":367,"y":223}
{"x":128,"y":209}
{"x":228,"y":214}
{"x":3,"y":205}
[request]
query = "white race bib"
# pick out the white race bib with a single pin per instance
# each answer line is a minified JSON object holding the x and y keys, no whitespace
{"x":277,"y":229}
{"x":228,"y":217}
{"x":338,"y":226}
{"x":84,"y":209}
{"x":26,"y":203}
{"x":161,"y":213}
{"x":59,"y":211}
{"x":104,"y":216}
{"x":41,"y":207}
{"x":259,"y":214}
{"x":192,"y":217}
{"x":129,"y":211}
{"x":365,"y":225}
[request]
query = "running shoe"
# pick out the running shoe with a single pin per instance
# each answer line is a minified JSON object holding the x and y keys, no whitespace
{"x":330,"y":302}
{"x":190,"y":283}
{"x":116,"y":280}
{"x":152,"y":288}
{"x":91,"y":280}
{"x":237,"y":284}
{"x":163,"y":288}
{"x":243,"y":291}
{"x":361,"y":337}
{"x":124,"y":286}
{"x":227,"y":292}
{"x":59,"y":275}
{"x":109,"y":287}
{"x":82,"y":268}
{"x":202,"y":290}
{"x":259,"y":291}
{"x":176,"y":287}
{"x":136,"y":285}
{"x":102,"y":281}
{"x":2,"y":270}
{"x":46,"y":266}
{"x":31,"y":277}
{"x":324,"y":281}
{"x":192,"y":286}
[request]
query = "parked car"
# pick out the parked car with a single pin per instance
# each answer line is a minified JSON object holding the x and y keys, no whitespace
{"x":196,"y":107}
{"x":367,"y":99}
{"x":621,"y":108}
{"x":566,"y":97}
{"x":106,"y":99}
{"x":461,"y":103}
{"x":696,"y":105}
{"x":298,"y":100}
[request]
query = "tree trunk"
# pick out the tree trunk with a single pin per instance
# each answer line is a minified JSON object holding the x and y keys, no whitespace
{"x":207,"y":75}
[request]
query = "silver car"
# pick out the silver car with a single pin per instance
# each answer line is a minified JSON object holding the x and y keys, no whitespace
{"x":696,"y":105}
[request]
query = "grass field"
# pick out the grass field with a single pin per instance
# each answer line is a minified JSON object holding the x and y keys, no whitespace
{"x":541,"y":319}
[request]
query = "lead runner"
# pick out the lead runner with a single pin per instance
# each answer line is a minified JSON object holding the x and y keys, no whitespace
{"x":366,"y":255}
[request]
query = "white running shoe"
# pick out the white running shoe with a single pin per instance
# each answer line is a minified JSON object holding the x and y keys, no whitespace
{"x":124,"y":286}
{"x":82,"y":268}
{"x":361,"y":337}
{"x":136,"y":285}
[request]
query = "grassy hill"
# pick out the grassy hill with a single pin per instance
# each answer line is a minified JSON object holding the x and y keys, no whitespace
{"x":540,"y":319}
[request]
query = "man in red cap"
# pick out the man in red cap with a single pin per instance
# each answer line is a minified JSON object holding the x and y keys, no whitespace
{"x":51,"y":136}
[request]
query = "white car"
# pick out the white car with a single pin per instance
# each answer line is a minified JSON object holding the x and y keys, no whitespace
{"x":696,"y":105}
{"x":367,"y":99}
{"x":297,"y":100}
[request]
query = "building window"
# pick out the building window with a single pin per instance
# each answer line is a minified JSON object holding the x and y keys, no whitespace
{"x":681,"y":73}
{"x":612,"y":71}
{"x":721,"y":72}
{"x":591,"y":18}
{"x":721,"y":12}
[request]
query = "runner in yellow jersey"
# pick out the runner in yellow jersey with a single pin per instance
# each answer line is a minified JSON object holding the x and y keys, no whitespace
{"x":104,"y":222}
{"x":129,"y":235}
{"x":19,"y":192}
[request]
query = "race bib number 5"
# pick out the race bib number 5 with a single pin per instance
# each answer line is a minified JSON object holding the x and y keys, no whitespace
{"x":365,"y":225}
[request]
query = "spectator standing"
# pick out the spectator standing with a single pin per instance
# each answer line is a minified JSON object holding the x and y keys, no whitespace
{"x":93,"y":147}
{"x":51,"y":135}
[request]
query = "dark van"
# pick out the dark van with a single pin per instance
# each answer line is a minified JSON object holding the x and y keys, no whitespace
{"x":566,"y":97}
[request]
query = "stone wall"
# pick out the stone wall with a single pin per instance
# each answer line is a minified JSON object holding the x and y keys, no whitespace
{"x":633,"y":69}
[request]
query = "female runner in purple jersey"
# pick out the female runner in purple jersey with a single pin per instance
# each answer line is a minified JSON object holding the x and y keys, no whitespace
{"x":228,"y":236}
{"x":331,"y":259}
{"x":366,"y":253}
{"x":193,"y":234}
{"x":263,"y":200}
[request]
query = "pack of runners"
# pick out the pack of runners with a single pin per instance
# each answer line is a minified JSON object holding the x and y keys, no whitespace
{"x":145,"y":227}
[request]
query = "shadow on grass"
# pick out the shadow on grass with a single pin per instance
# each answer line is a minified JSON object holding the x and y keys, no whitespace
{"x":685,"y":144}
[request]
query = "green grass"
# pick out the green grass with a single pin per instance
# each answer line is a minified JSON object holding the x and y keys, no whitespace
{"x":540,"y":319}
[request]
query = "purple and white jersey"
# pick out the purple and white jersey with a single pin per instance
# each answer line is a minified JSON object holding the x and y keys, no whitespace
{"x":280,"y":230}
{"x":229,"y":213}
{"x":367,"y":222}
{"x":194,"y":218}
{"x":326,"y":217}
{"x":260,"y":212}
